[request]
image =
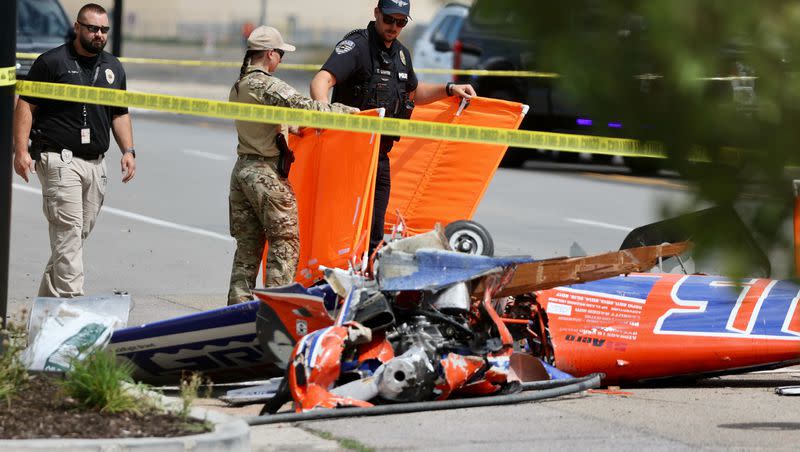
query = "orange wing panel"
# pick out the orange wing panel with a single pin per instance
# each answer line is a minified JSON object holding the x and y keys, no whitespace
{"x":440,"y":181}
{"x":333,"y":178}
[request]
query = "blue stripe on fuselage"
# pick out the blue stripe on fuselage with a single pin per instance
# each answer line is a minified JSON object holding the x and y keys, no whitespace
{"x":638,"y":286}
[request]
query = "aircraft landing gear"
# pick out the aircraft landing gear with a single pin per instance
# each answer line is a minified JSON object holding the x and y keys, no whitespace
{"x":469,"y":237}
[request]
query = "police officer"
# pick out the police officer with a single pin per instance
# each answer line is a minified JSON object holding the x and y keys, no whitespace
{"x":262,"y":203}
{"x":370,"y":68}
{"x":68,"y":144}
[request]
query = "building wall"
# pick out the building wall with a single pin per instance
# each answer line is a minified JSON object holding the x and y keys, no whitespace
{"x":190,"y":19}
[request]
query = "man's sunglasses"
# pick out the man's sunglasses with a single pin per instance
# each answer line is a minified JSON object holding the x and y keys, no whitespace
{"x":389,"y":20}
{"x":280,"y":52}
{"x":95,"y":28}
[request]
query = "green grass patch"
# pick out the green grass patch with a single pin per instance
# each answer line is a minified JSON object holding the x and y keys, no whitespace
{"x":13,"y":373}
{"x":101,"y":382}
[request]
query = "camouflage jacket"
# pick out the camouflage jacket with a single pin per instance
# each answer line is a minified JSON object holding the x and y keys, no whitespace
{"x":259,"y":87}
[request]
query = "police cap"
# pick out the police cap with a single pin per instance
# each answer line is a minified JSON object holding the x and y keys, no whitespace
{"x":395,"y":7}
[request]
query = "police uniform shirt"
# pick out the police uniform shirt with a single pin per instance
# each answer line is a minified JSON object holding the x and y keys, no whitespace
{"x":351,"y":62}
{"x":59,"y":123}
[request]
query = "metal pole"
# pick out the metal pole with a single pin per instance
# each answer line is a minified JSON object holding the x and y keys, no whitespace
{"x":116,"y":29}
{"x":8,"y":61}
{"x":263,"y":20}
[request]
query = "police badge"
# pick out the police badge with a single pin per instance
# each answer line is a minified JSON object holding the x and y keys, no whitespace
{"x":110,"y":76}
{"x":403,"y":57}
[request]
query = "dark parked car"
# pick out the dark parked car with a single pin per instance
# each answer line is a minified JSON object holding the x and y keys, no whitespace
{"x":41,"y":26}
{"x":490,"y":39}
{"x":494,"y":37}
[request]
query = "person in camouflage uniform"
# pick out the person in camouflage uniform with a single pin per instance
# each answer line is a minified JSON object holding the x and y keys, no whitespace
{"x":262,"y":204}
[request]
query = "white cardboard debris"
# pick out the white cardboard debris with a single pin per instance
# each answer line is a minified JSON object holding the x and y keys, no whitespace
{"x":62,"y":330}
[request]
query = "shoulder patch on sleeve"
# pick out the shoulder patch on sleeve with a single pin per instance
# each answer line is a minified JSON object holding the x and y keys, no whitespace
{"x":344,"y":46}
{"x":276,"y":92}
{"x":282,"y":89}
{"x":256,"y":81}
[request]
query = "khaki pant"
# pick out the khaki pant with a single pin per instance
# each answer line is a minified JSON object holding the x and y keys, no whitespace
{"x":72,"y":191}
{"x":262,"y":209}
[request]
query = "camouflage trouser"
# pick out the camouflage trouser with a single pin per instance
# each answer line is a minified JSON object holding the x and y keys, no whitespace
{"x":262,"y":208}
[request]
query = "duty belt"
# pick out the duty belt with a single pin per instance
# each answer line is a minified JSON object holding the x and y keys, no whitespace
{"x":55,"y":150}
{"x":80,"y":155}
{"x":258,"y":157}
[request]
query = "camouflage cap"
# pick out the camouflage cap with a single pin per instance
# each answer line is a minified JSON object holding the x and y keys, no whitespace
{"x":267,"y":38}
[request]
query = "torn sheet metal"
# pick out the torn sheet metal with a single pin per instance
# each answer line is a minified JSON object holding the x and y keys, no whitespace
{"x":253,"y":394}
{"x":342,"y":281}
{"x":289,"y":313}
{"x":434,"y":239}
{"x":221,"y":343}
{"x":434,"y":270}
{"x":546,"y":274}
{"x":242,"y":342}
{"x":788,"y":390}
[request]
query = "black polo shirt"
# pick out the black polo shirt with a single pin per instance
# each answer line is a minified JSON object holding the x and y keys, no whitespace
{"x":59,"y":123}
{"x":351,"y":63}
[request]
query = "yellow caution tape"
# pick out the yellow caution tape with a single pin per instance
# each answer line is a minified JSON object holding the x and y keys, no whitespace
{"x":316,"y":67}
{"x":190,"y":63}
{"x":353,"y":123}
{"x":313,"y":67}
{"x":484,"y":72}
{"x":8,"y":76}
{"x":27,"y":56}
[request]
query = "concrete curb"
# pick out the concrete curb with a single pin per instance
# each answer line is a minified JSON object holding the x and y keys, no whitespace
{"x":230,"y":434}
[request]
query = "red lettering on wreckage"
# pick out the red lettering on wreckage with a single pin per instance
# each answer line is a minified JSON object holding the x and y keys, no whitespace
{"x":686,"y":325}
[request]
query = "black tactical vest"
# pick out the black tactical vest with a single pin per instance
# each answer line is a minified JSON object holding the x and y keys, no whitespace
{"x":380,"y":83}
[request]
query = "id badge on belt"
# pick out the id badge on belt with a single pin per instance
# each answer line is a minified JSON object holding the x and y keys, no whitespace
{"x":86,"y":136}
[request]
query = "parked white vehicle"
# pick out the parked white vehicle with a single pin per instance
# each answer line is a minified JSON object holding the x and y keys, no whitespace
{"x":433,"y":49}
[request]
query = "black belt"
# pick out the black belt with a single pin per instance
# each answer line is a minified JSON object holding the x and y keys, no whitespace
{"x":258,"y":157}
{"x":80,"y":155}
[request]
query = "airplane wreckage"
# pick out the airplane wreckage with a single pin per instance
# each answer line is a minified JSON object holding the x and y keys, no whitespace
{"x":434,"y":318}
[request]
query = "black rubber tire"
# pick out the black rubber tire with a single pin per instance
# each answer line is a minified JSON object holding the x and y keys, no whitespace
{"x":469,"y":237}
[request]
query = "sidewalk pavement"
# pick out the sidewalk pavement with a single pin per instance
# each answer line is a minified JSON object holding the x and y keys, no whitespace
{"x":263,"y":438}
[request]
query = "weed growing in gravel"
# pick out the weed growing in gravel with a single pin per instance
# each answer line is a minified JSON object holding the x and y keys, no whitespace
{"x":13,"y":373}
{"x":189,"y":387}
{"x":101,"y":382}
{"x":344,"y":443}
